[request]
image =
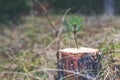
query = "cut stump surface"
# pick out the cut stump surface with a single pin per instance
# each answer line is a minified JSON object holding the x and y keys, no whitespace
{"x":81,"y":64}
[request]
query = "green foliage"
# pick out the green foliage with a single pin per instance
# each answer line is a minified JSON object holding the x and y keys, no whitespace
{"x":74,"y":20}
{"x":74,"y":24}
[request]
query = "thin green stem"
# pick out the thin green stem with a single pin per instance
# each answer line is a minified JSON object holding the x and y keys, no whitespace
{"x":75,"y":36}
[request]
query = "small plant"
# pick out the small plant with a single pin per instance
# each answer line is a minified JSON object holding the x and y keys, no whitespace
{"x":74,"y":25}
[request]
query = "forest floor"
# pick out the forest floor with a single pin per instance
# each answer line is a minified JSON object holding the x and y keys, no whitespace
{"x":28,"y":49}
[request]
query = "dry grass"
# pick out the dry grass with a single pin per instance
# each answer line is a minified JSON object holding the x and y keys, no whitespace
{"x":28,"y":51}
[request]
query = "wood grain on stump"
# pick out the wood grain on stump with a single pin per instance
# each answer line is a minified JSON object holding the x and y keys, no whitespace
{"x":78,"y":64}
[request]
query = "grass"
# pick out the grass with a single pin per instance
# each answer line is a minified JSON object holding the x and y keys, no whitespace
{"x":28,"y":51}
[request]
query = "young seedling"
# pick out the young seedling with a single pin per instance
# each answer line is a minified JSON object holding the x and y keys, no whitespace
{"x":74,"y":25}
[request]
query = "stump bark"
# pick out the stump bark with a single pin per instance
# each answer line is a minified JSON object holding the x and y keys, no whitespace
{"x":78,"y":64}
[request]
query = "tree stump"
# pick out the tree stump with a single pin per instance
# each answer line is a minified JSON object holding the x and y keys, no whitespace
{"x":78,"y":64}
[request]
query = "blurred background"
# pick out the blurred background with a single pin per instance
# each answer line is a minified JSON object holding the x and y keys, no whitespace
{"x":15,"y":8}
{"x":28,"y":42}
